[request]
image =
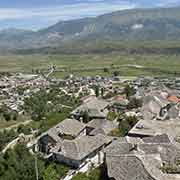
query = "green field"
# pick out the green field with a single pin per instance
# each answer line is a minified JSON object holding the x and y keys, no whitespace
{"x":163,"y":64}
{"x":5,"y":124}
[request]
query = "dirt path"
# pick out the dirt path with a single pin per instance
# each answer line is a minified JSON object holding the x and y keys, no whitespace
{"x":16,"y":125}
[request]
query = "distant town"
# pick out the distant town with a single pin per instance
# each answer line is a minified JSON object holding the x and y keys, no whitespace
{"x":125,"y":128}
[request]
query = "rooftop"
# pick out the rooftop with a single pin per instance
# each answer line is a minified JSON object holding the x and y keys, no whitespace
{"x":154,"y":127}
{"x":67,"y":127}
{"x":103,"y":124}
{"x":94,"y":106}
{"x":127,"y":161}
{"x":173,"y":99}
{"x":81,"y":147}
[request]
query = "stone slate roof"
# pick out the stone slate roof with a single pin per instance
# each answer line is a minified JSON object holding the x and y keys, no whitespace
{"x":96,"y":131}
{"x":126,"y":168}
{"x":81,"y":147}
{"x":127,"y":161}
{"x":168,"y":152}
{"x":67,"y":127}
{"x":162,"y":138}
{"x":120,"y":148}
{"x":173,"y":112}
{"x":161,"y":101}
{"x":152,"y":104}
{"x":154,"y":128}
{"x":96,"y":113}
{"x":103,"y":124}
{"x":122,"y":163}
{"x":94,"y":107}
{"x":150,"y":110}
{"x":134,"y":140}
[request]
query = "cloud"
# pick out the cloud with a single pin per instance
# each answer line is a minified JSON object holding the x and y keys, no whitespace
{"x":64,"y":12}
{"x":40,"y":13}
{"x":168,"y":3}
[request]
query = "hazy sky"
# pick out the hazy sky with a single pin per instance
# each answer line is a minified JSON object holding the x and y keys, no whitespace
{"x":35,"y":14}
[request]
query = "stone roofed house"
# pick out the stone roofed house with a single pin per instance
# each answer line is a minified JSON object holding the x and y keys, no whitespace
{"x":152,"y":128}
{"x":96,"y":108}
{"x":159,"y":106}
{"x":67,"y":129}
{"x":122,"y":164}
{"x":162,"y":138}
{"x":158,"y":139}
{"x":152,"y":105}
{"x":87,"y":98}
{"x":128,"y":161}
{"x":4,"y":84}
{"x":171,"y":111}
{"x":103,"y":126}
{"x":78,"y":152}
{"x":119,"y":103}
{"x":169,"y":153}
{"x":126,"y":168}
{"x":173,"y":99}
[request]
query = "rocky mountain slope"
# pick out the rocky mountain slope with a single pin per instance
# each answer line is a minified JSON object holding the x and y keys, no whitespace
{"x":127,"y":25}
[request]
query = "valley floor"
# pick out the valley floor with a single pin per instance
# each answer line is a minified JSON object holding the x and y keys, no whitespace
{"x":94,"y":64}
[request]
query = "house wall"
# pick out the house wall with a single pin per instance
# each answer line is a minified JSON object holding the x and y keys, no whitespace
{"x":73,"y":163}
{"x":88,"y":130}
{"x":83,"y":133}
{"x":96,"y":158}
{"x":139,"y":135}
{"x":44,"y":144}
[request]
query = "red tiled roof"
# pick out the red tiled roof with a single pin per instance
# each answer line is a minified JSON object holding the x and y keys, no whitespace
{"x":119,"y":97}
{"x":174,"y":99}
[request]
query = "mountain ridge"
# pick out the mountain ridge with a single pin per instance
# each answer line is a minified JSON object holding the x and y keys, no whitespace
{"x":126,"y":25}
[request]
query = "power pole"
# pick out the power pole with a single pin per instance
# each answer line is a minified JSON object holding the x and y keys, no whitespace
{"x":36,"y":168}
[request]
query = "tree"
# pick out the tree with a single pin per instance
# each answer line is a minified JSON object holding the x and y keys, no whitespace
{"x":61,"y":169}
{"x":95,"y":174}
{"x":126,"y":124}
{"x":102,"y":92}
{"x":19,"y":164}
{"x":24,"y":129}
{"x":116,"y":73}
{"x":97,"y":91}
{"x":85,"y":116}
{"x":134,"y":103}
{"x":80,"y":176}
{"x":129,"y":91}
{"x":2,"y":168}
{"x":37,"y":105}
{"x":106,"y":70}
{"x":7,"y":116}
{"x":14,"y":115}
{"x":50,"y":173}
{"x":6,"y":136}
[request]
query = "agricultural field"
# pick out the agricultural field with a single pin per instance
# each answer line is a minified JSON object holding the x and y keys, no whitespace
{"x":94,"y":64}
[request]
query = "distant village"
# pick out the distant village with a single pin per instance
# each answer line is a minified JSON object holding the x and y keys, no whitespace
{"x":131,"y":126}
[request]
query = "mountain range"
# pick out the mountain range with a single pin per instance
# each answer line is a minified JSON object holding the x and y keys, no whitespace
{"x":127,"y":25}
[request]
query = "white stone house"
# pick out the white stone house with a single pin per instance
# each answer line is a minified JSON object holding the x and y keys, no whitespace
{"x":67,"y":129}
{"x":80,"y":151}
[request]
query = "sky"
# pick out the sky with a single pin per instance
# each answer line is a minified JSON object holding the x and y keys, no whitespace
{"x":37,"y":14}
